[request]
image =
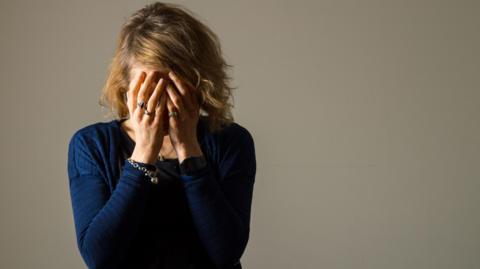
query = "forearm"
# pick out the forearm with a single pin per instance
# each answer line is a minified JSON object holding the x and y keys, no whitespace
{"x":223,"y":231}
{"x":104,"y":237}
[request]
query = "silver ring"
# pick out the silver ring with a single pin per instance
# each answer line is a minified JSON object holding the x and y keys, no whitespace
{"x":148,"y":113}
{"x":141,"y":104}
{"x":173,"y":114}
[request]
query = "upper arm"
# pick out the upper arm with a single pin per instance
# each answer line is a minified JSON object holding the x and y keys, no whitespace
{"x":88,"y":189}
{"x":238,"y":169}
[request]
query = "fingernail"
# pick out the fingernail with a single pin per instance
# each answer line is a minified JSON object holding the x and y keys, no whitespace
{"x":171,"y":74}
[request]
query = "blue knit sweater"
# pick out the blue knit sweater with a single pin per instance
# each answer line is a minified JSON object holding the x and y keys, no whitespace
{"x":122,"y":220}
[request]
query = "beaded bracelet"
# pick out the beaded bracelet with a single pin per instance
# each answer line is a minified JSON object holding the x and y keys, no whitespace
{"x":142,"y":167}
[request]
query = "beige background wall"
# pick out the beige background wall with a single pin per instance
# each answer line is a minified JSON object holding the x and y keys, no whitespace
{"x":365,"y":116}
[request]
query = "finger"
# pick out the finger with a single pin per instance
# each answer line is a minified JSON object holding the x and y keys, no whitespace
{"x":165,"y":117}
{"x":147,"y":87}
{"x":182,"y":85}
{"x":184,"y":88}
{"x":154,"y":98}
{"x":160,"y":108}
{"x":195,"y":104}
{"x":171,"y":107}
{"x":177,"y":101}
{"x":133,"y":90}
{"x":144,"y":92}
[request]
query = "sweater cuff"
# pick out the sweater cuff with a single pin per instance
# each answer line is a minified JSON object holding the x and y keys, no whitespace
{"x":192,"y":165}
{"x":195,"y":175}
{"x":134,"y":173}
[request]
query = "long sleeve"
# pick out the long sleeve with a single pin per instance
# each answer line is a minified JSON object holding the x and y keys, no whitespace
{"x":105,"y":222}
{"x":220,"y":201}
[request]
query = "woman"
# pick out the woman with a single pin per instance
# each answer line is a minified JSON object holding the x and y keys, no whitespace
{"x":168,"y":183}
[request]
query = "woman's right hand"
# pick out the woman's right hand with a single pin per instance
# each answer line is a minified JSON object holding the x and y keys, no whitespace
{"x":149,"y":129}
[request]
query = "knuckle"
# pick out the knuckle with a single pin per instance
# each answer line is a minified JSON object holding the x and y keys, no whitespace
{"x":136,"y":116}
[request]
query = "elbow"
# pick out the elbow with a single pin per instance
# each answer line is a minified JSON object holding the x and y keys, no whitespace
{"x":230,"y":256}
{"x":229,"y":260}
{"x":93,"y":260}
{"x":95,"y":257}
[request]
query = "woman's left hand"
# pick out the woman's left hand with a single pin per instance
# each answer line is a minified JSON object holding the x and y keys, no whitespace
{"x":183,"y":128}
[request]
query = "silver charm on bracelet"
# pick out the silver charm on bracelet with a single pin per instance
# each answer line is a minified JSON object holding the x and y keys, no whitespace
{"x":148,"y":173}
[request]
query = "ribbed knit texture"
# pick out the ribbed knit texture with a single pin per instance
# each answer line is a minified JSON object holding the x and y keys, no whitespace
{"x":122,"y":220}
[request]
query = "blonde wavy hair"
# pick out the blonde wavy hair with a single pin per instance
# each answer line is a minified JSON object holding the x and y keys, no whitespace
{"x":168,"y":37}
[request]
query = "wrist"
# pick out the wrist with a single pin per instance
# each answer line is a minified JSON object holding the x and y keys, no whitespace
{"x":143,"y":157}
{"x":185,"y":151}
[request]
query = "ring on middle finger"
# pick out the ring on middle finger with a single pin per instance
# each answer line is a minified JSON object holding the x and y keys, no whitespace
{"x":173,"y":114}
{"x":148,"y":113}
{"x":141,"y":104}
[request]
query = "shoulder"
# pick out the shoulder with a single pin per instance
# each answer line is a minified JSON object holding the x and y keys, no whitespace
{"x":93,"y":134}
{"x":87,"y":146}
{"x":224,"y":143}
{"x":236,"y":151}
{"x":84,"y":154}
{"x":92,"y":131}
{"x":235,"y":133}
{"x":235,"y":142}
{"x":231,"y":134}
